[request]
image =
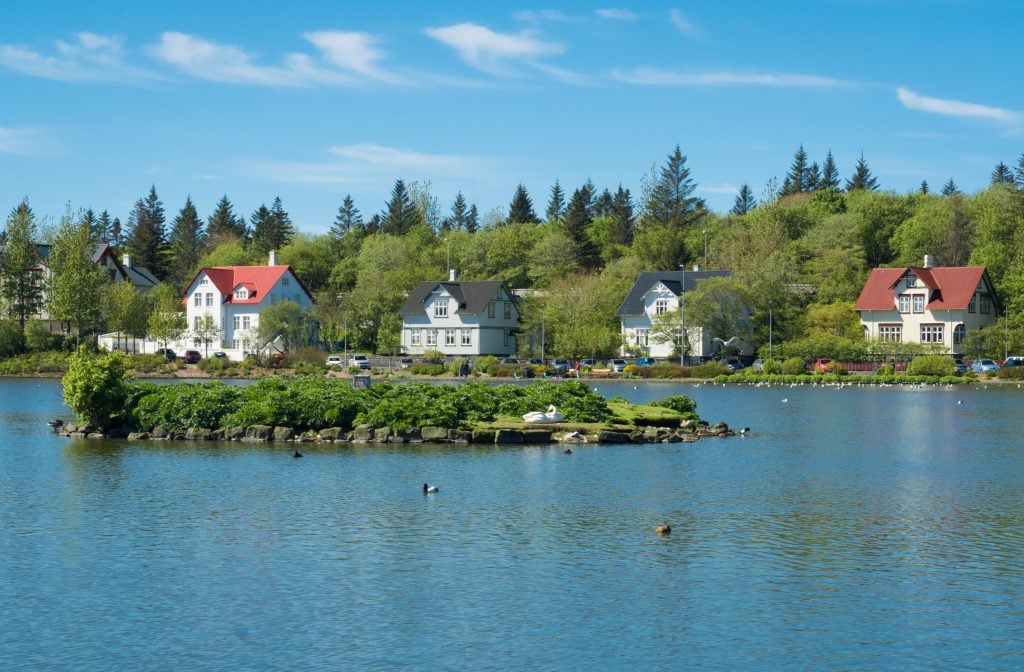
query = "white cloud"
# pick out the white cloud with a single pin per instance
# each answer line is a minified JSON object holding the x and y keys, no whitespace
{"x":26,"y":141}
{"x":681,"y":23}
{"x":616,"y":14}
{"x":660,"y":77}
{"x":552,"y":15}
{"x":723,"y":188}
{"x":91,"y":57}
{"x":489,"y":51}
{"x":353,"y":51}
{"x":956,"y":108}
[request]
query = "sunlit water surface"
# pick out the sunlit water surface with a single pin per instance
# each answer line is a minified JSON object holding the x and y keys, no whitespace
{"x":854,"y":529}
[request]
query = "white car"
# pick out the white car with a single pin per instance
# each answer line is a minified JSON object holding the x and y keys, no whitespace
{"x":335,"y":360}
{"x":618,"y":365}
{"x":362,"y":361}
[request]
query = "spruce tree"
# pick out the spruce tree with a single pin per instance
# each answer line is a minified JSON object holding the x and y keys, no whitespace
{"x":520,"y":210}
{"x":283,"y":221}
{"x":861,"y":178}
{"x":604,"y":204}
{"x":1002,"y":174}
{"x":19,"y":278}
{"x":347,"y":219}
{"x":104,"y":228}
{"x":186,"y":243}
{"x":622,"y":212}
{"x":271,"y":227}
{"x":147,"y":239}
{"x":89,"y":219}
{"x":473,"y":219}
{"x":576,"y":221}
{"x":950,"y":188}
{"x":374,"y":224}
{"x":813,"y":181}
{"x":400,"y":216}
{"x":223,"y":224}
{"x":1018,"y":172}
{"x":924,"y":187}
{"x":556,"y":203}
{"x":744,"y":202}
{"x":670,"y":199}
{"x":116,"y":233}
{"x":460,"y":213}
{"x":829,"y":173}
{"x":796,"y":178}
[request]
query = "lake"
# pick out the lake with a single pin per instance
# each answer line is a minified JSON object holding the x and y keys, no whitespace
{"x":855,"y":528}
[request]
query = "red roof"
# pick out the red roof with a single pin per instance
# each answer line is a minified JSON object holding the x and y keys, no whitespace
{"x":951,"y":287}
{"x":259,"y":280}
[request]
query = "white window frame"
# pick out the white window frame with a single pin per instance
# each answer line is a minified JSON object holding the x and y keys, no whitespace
{"x":467,"y":337}
{"x":931,"y":333}
{"x":209,"y":299}
{"x":441,"y":308}
{"x":660,"y":306}
{"x":911,"y":280}
{"x":890,"y":333}
{"x":431,"y":338}
{"x":246,"y":323}
{"x":236,"y":322}
{"x":241,"y":293}
{"x":449,"y":337}
{"x":918,"y":303}
{"x":904,"y":303}
{"x":643,"y":337}
{"x":197,"y":299}
{"x":414,"y":337}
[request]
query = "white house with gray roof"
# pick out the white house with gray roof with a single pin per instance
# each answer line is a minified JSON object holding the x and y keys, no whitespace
{"x":657,"y":292}
{"x":460,"y":318}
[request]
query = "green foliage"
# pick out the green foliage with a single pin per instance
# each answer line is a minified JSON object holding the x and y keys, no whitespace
{"x":301,"y":403}
{"x":886,"y":370}
{"x":931,"y":365}
{"x":33,"y":363}
{"x":19,"y":284}
{"x":793,"y":366}
{"x":96,"y":388}
{"x":38,"y":337}
{"x":771,"y":366}
{"x":214,"y":366}
{"x":178,"y":407}
{"x":484,"y":362}
{"x":662,"y":370}
{"x":11,"y":338}
{"x":711,"y":370}
{"x":1011,"y":373}
{"x":433,"y":357}
{"x":426,"y":369}
{"x":679,"y":402}
{"x":153,"y":364}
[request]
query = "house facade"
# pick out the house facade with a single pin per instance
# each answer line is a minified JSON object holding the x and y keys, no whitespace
{"x":658,"y":292}
{"x":463,"y":319}
{"x":929,"y":305}
{"x":225,"y":302}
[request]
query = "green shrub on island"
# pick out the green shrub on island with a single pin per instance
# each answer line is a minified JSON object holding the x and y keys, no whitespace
{"x":96,"y":388}
{"x":931,"y":365}
{"x":679,"y":403}
{"x":178,"y":407}
{"x":793,"y":366}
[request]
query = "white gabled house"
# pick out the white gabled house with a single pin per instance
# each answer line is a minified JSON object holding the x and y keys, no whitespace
{"x":657,"y":292}
{"x":233,"y":296}
{"x":460,"y":318}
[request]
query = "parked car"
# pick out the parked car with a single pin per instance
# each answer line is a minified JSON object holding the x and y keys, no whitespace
{"x":960,"y":368}
{"x":732,"y":363}
{"x":1014,"y":361}
{"x":508,"y":361}
{"x":589,"y":363}
{"x":220,"y":354}
{"x":561,"y":364}
{"x":406,"y":362}
{"x":335,"y":360}
{"x":618,"y":365}
{"x":169,"y":354}
{"x":984,"y":366}
{"x":820,"y":365}
{"x":646,"y":361}
{"x":535,"y":361}
{"x":192,"y":357}
{"x":362,"y":361}
{"x":758,"y":365}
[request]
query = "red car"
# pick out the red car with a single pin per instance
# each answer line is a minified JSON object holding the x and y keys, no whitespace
{"x":192,"y":357}
{"x":821,"y":365}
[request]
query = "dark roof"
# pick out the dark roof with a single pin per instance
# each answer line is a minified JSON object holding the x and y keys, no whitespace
{"x":472,"y":296}
{"x":633,"y":304}
{"x":140,"y":277}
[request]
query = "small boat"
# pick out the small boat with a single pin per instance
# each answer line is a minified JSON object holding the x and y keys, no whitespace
{"x":538,"y":418}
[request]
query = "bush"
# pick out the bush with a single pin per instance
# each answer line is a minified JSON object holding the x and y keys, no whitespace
{"x":484,"y":363}
{"x":679,"y":402}
{"x":663,"y":371}
{"x":835,"y":368}
{"x":38,"y":337}
{"x":178,"y":407}
{"x":1011,"y":373}
{"x":426,"y":369}
{"x":433,"y":357}
{"x":34,"y":362}
{"x":452,"y":367}
{"x":96,"y":388}
{"x":307,"y":368}
{"x":214,"y":366}
{"x":931,"y":365}
{"x":793,"y":366}
{"x":11,"y":338}
{"x":886,"y":370}
{"x":771,"y":367}
{"x":711,"y":370}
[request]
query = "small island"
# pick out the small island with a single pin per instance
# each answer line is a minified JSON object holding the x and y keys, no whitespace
{"x":108,"y":403}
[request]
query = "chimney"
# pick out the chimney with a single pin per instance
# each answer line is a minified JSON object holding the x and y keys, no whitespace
{"x":451,"y":275}
{"x":127,"y":261}
{"x":929,"y":261}
{"x":273,"y":258}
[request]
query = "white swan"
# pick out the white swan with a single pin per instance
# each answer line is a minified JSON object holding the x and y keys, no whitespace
{"x":538,"y":418}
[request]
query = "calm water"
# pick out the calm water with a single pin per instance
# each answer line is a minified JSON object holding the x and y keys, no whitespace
{"x":855,"y":529}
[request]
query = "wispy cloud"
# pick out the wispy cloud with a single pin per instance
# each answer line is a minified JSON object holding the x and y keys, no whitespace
{"x":723,"y":188}
{"x":493,"y":52}
{"x":682,"y":23}
{"x":354,"y":52}
{"x":612,"y":14}
{"x":27,"y":141}
{"x":552,"y":15}
{"x":956,"y":108}
{"x":661,"y":77}
{"x":90,"y":57}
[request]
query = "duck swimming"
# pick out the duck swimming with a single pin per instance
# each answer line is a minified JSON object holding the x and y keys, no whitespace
{"x":430,"y":489}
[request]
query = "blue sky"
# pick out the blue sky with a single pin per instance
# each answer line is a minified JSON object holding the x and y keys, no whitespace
{"x":314,"y":100}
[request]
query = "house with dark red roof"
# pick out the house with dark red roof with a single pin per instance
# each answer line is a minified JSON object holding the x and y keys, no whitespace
{"x":232,"y":298}
{"x":931,"y":305}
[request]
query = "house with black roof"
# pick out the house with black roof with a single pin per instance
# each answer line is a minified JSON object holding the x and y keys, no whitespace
{"x":658,"y":292}
{"x":460,"y":318}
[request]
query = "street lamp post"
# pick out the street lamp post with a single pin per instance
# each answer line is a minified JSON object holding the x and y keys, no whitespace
{"x":705,"y":232}
{"x":1006,"y":331}
{"x":682,"y":317}
{"x":770,"y":333}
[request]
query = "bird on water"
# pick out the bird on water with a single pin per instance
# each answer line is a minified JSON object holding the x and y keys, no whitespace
{"x":429,"y":489}
{"x":296,"y":454}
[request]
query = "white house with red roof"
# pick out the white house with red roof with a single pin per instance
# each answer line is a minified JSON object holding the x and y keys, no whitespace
{"x":233,"y":296}
{"x":929,"y":305}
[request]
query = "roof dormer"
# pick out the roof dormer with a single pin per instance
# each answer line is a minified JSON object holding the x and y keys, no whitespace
{"x":245,"y":291}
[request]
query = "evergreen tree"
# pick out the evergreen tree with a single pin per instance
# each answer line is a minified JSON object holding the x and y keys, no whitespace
{"x":813,"y":181}
{"x":520,"y":210}
{"x":186,"y":244}
{"x":622,"y":212}
{"x":147,"y":239}
{"x":1002,"y":174}
{"x":400,"y":215}
{"x":924,"y":187}
{"x":604,"y":204}
{"x":116,"y":233}
{"x":347,"y":219}
{"x":223,"y":224}
{"x":473,"y":219}
{"x":460,"y":213}
{"x":950,"y":188}
{"x":829,"y":173}
{"x":104,"y":228}
{"x":670,"y":199}
{"x":796,"y":178}
{"x":744,"y":202}
{"x":374,"y":225}
{"x":89,"y":219}
{"x":556,"y":204}
{"x":271,"y":227}
{"x":19,"y":262}
{"x":1018,"y":172}
{"x":576,"y":221}
{"x":862,"y":178}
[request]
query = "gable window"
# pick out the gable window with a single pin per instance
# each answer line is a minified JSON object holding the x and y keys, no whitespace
{"x":508,"y":310}
{"x":986,"y":304}
{"x":414,"y":337}
{"x":441,"y":308}
{"x":918,"y":303}
{"x":241,"y":293}
{"x":893,"y":333}
{"x":203,"y":281}
{"x":970,"y":306}
{"x":904,"y":303}
{"x":931,"y":333}
{"x":284,"y":281}
{"x":911,"y":280}
{"x":449,"y":337}
{"x":660,"y":306}
{"x":197,"y":300}
{"x":490,"y":309}
{"x":467,"y":337}
{"x":958,"y":334}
